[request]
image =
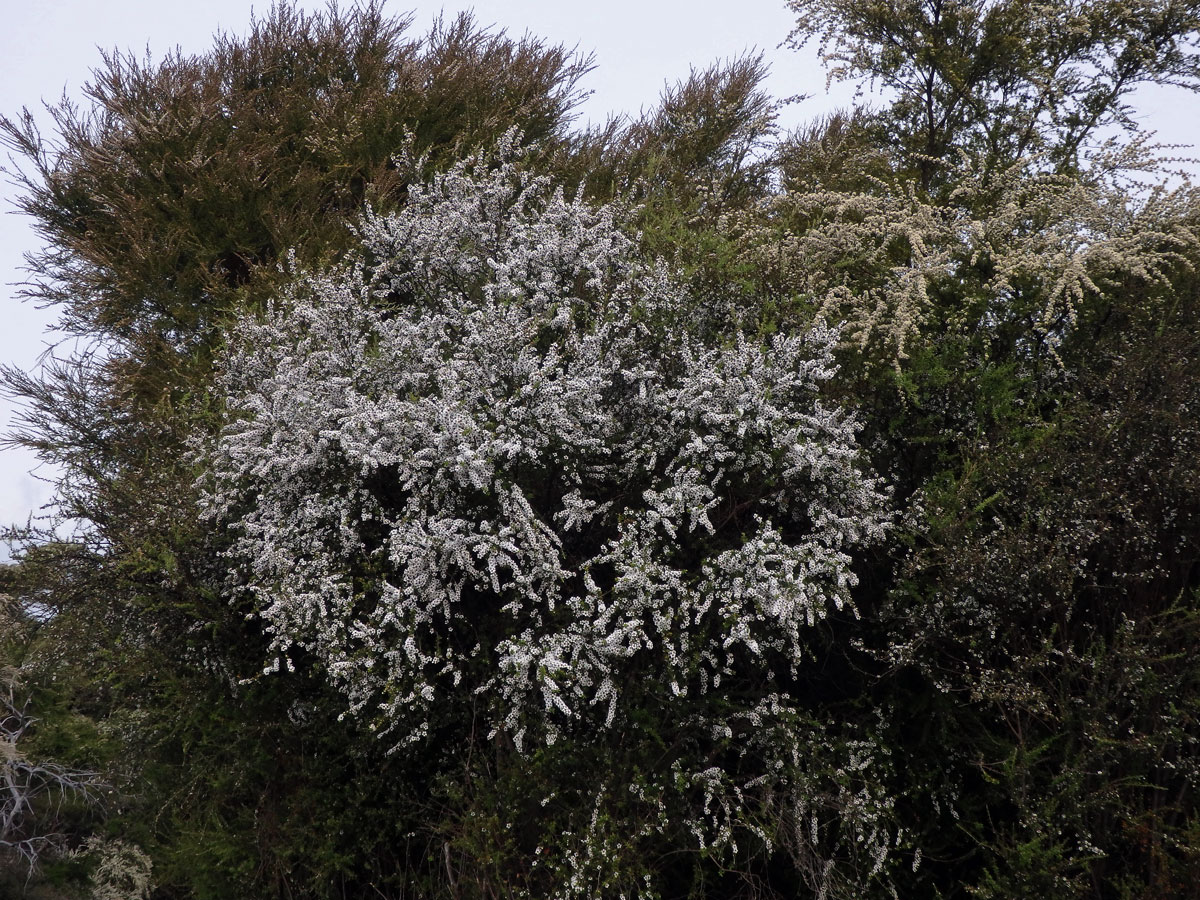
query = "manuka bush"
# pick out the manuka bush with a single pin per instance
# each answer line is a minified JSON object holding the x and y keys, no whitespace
{"x":483,"y":477}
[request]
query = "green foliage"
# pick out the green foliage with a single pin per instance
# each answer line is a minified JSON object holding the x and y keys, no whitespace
{"x":702,"y":153}
{"x":1002,"y":80}
{"x":1052,"y":591}
{"x":1020,"y":318}
{"x":190,"y":178}
{"x":167,"y":206}
{"x":49,"y":755}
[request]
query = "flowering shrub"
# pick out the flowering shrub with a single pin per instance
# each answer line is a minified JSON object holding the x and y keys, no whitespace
{"x":486,"y":458}
{"x":1020,"y":249}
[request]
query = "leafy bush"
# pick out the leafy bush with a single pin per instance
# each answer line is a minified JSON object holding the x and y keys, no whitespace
{"x":483,"y":463}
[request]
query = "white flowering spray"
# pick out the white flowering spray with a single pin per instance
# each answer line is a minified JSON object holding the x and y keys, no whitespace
{"x":1020,"y":248}
{"x":487,"y":459}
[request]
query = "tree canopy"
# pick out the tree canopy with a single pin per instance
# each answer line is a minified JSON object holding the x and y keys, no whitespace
{"x":470,"y":505}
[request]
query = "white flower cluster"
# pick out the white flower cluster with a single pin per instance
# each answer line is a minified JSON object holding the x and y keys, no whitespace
{"x":486,"y":457}
{"x":1028,"y":244}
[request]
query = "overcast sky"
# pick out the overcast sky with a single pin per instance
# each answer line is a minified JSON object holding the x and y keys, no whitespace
{"x":49,"y":46}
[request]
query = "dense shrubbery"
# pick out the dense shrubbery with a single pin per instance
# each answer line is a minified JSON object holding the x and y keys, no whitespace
{"x":484,"y":468}
{"x":455,"y":524}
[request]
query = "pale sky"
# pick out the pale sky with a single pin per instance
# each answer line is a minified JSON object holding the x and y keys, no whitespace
{"x":48,"y":46}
